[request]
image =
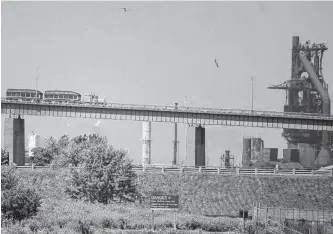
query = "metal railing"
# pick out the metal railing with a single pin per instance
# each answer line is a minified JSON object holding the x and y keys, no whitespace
{"x":212,"y":170}
{"x":168,"y":108}
{"x":238,"y":171}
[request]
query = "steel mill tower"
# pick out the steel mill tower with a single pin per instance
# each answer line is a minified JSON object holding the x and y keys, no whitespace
{"x":307,"y":92}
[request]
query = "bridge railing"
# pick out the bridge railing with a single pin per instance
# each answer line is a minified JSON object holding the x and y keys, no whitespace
{"x":181,"y":109}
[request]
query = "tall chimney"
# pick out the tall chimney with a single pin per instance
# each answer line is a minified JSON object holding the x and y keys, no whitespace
{"x":146,"y":143}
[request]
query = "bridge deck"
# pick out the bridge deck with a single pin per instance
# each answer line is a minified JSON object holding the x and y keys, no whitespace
{"x":160,"y":113}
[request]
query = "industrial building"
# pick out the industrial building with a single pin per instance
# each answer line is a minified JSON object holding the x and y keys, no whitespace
{"x":254,"y":151}
{"x":307,"y":92}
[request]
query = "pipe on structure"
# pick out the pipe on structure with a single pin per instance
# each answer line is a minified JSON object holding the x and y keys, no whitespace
{"x":175,"y":147}
{"x":316,"y":82}
{"x":146,"y":143}
{"x":324,"y":157}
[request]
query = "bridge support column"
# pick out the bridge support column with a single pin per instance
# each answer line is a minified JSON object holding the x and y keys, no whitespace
{"x":200,"y":156}
{"x":14,"y":140}
{"x":190,"y":146}
{"x":195,"y":146}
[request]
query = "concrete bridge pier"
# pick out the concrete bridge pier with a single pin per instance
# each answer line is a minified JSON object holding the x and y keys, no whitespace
{"x":14,"y":140}
{"x":195,"y":146}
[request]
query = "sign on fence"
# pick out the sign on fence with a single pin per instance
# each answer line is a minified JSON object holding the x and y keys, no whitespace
{"x":164,"y":202}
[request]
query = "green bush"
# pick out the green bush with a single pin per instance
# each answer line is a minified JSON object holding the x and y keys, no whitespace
{"x":4,"y":157}
{"x":9,"y":178}
{"x":17,"y":202}
{"x":41,"y":156}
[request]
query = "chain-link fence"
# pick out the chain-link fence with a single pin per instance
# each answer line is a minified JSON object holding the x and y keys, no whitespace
{"x":293,"y":221}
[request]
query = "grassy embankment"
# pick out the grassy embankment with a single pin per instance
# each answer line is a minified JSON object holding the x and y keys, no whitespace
{"x":61,"y":215}
{"x":200,"y":194}
{"x":211,"y":194}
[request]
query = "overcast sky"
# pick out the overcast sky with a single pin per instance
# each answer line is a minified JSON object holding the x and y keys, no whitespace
{"x":158,"y":53}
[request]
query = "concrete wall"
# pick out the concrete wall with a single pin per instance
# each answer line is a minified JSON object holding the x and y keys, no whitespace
{"x":14,"y":140}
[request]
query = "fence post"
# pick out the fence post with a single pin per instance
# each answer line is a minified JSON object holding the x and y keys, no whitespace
{"x":200,"y":169}
{"x":163,"y":170}
{"x":237,"y":170}
{"x":32,"y":166}
{"x":266,"y":214}
{"x":258,"y":218}
{"x":331,"y":172}
{"x":218,"y":170}
{"x":294,"y":171}
{"x":181,"y":169}
{"x":312,"y":172}
{"x":256,"y":171}
{"x":259,"y":211}
{"x":254,"y":212}
{"x":293,"y":217}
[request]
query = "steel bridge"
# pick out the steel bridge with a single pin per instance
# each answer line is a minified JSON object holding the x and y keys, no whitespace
{"x":172,"y":114}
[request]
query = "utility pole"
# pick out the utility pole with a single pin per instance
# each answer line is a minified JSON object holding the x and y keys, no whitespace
{"x":174,"y":162}
{"x":252,"y":80}
{"x":38,"y":66}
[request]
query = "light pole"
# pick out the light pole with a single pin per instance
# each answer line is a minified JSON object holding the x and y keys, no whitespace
{"x":252,"y":80}
{"x":38,"y":66}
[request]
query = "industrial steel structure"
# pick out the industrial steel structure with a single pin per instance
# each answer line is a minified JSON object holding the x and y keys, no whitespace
{"x":307,"y":92}
{"x":227,"y":160}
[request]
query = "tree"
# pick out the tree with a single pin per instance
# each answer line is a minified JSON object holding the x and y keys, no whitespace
{"x":104,"y":173}
{"x":41,"y":156}
{"x":57,"y":149}
{"x":51,"y":144}
{"x":63,"y":142}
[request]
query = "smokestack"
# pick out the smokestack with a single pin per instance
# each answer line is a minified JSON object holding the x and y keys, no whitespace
{"x":174,"y":162}
{"x":146,"y":143}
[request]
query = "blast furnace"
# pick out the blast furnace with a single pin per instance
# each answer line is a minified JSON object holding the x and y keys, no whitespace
{"x":307,"y":92}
